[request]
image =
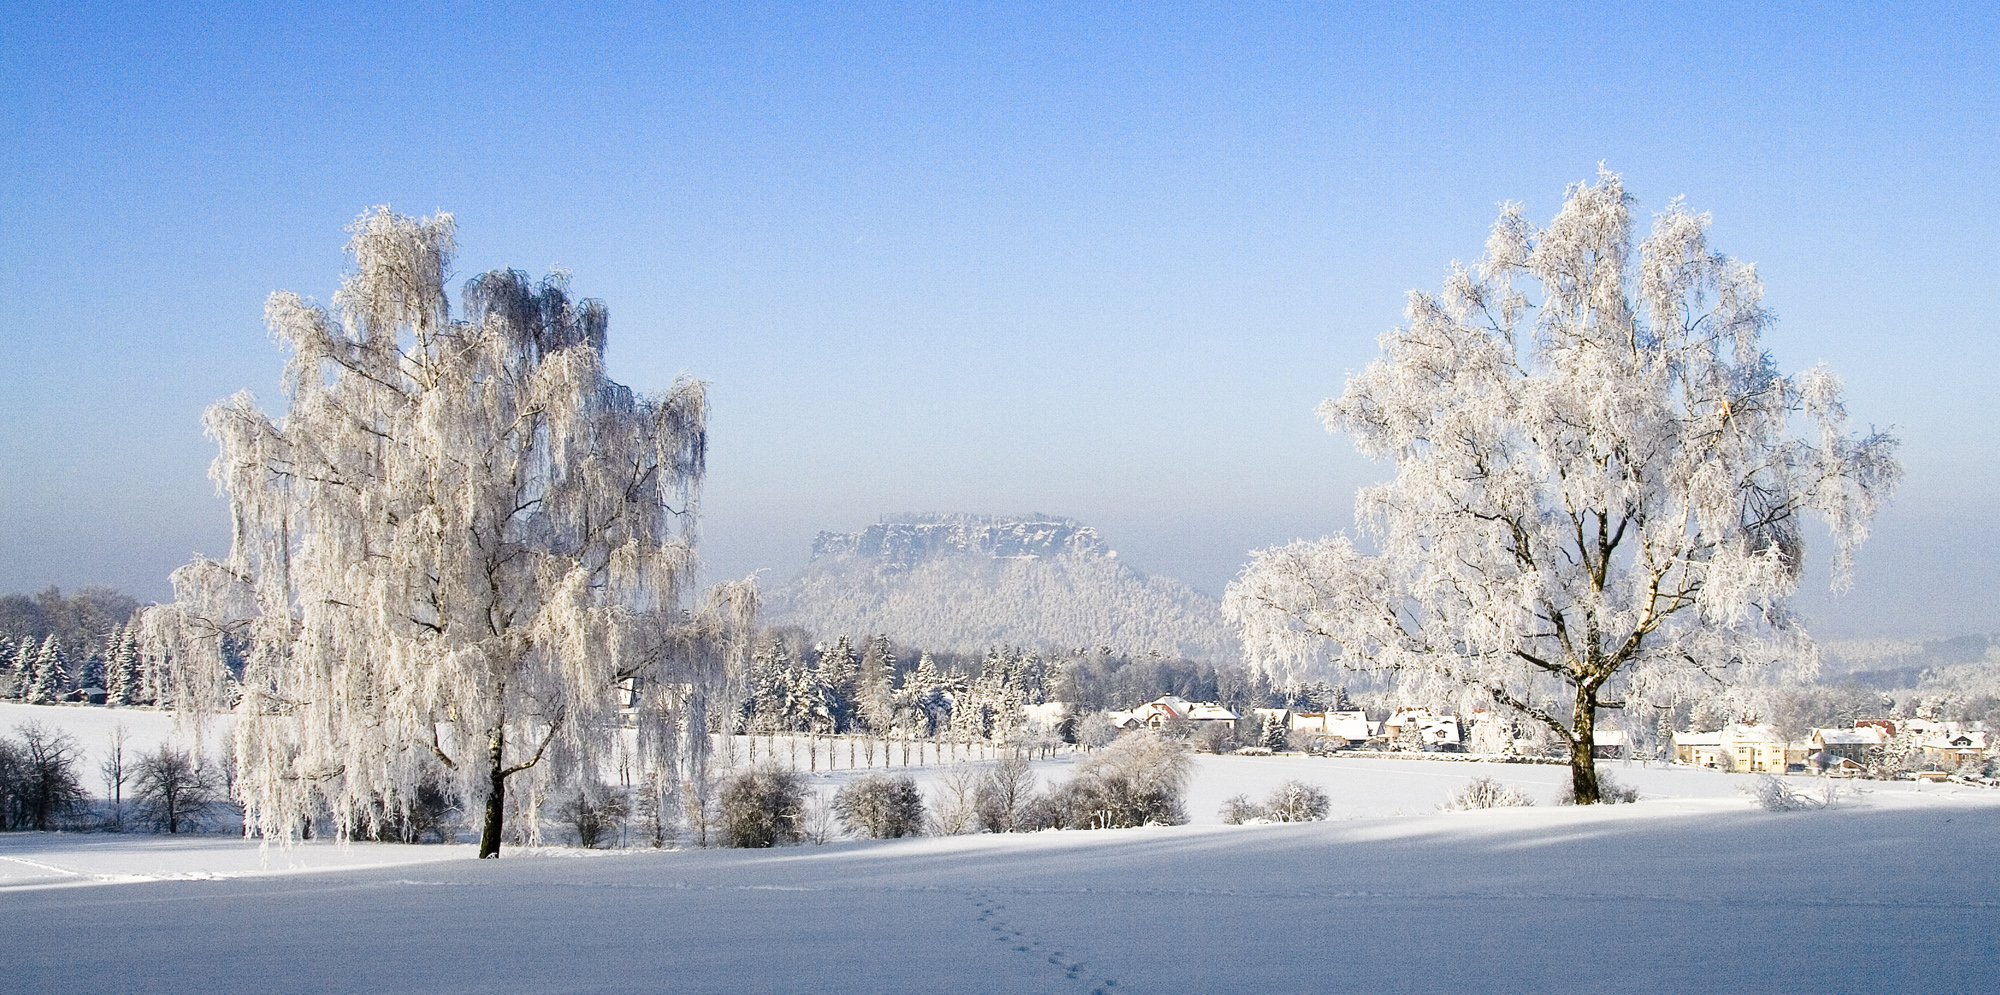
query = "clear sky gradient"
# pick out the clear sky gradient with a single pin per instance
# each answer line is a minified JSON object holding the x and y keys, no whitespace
{"x":1092,"y":260}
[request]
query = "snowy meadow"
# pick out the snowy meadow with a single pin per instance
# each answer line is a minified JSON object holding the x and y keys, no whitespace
{"x":1694,"y":887}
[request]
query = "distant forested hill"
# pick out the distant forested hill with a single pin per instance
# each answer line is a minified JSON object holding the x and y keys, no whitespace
{"x":962,"y":583}
{"x":1890,"y":664}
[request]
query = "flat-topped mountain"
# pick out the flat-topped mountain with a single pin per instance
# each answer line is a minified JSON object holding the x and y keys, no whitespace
{"x":905,"y":543}
{"x":963,"y":583}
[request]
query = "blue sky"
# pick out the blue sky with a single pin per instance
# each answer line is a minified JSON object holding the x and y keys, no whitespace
{"x":1092,"y":260}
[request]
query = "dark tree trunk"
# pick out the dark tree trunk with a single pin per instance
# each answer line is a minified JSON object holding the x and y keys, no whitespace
{"x":1582,"y":748}
{"x":496,"y":801}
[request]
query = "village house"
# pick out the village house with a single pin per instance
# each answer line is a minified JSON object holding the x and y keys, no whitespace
{"x":1610,"y":744}
{"x":1829,"y":746}
{"x":1736,"y":747}
{"x":1430,"y":732}
{"x":1351,"y":726}
{"x":1207,"y":713}
{"x":1166,"y":710}
{"x":1952,"y":748}
{"x":1268,"y":717}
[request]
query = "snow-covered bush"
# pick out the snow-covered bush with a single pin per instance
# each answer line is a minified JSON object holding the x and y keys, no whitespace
{"x":822,"y":823}
{"x":1609,"y":792}
{"x":957,"y":808}
{"x":1774,"y":795}
{"x":881,"y":806}
{"x":1316,"y":744}
{"x":1297,"y":801}
{"x":1239,"y":810}
{"x":1096,"y":730}
{"x":1140,"y":780}
{"x":1485,"y":792}
{"x":763,"y":806}
{"x":1005,"y":794}
{"x":429,"y":813}
{"x":1214,"y":737}
{"x":595,"y":815}
{"x":1294,"y":801}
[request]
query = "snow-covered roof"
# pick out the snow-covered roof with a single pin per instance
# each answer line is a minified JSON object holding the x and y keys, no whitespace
{"x":1862,"y":736}
{"x":1125,"y":718}
{"x":1210,"y":712}
{"x":1759,"y":733}
{"x":1608,"y":737}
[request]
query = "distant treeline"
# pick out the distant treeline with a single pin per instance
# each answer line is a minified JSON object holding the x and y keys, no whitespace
{"x":81,"y":622}
{"x":801,"y":682}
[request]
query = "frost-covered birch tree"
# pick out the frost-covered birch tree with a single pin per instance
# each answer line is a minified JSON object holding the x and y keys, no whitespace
{"x":458,"y":555}
{"x":1601,"y":480}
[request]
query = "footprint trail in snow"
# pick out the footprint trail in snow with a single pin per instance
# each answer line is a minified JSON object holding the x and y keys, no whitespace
{"x":992,"y":915}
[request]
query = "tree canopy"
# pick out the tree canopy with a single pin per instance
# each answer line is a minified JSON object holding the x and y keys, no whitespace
{"x":1599,"y":492}
{"x":457,"y":555}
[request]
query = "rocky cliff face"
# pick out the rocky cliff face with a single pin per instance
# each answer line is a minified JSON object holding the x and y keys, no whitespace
{"x":906,"y":543}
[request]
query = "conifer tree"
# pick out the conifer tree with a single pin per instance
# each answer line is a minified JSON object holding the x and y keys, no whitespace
{"x":44,"y":683}
{"x":121,"y":667}
{"x":21,"y":673}
{"x":837,"y":670}
{"x":923,"y":693}
{"x":874,"y":698}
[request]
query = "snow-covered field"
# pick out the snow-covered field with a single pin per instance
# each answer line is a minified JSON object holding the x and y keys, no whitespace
{"x":1896,"y":891}
{"x":1693,"y":889}
{"x":93,"y":727}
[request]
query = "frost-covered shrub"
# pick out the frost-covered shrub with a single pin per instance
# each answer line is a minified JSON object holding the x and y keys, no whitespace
{"x":594,"y":815}
{"x":1317,"y":744}
{"x":1775,"y":795}
{"x":1294,"y":801}
{"x":1485,"y":792}
{"x":1139,"y":780}
{"x":174,"y":789}
{"x":1005,"y":794}
{"x":1609,"y":792}
{"x":763,"y":806}
{"x":1238,"y":810}
{"x":428,"y":813}
{"x":1297,"y":801}
{"x":822,"y":823}
{"x":957,"y":807}
{"x":1096,"y":730}
{"x":1214,"y":737}
{"x":881,"y":806}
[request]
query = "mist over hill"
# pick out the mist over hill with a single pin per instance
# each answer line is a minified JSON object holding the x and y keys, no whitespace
{"x":963,"y":583}
{"x":1892,"y":664}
